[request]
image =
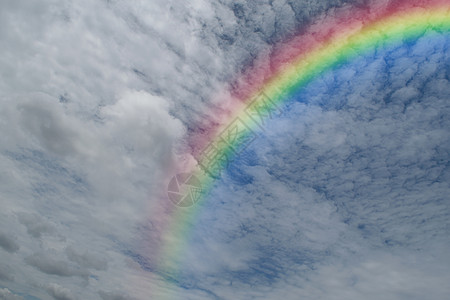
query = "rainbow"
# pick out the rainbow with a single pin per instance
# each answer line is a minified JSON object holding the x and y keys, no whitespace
{"x":326,"y":44}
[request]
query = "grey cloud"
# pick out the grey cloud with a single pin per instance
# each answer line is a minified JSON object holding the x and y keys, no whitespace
{"x":6,"y":294}
{"x":87,"y":260}
{"x":45,"y":263}
{"x":8,"y":243}
{"x":59,"y":293}
{"x":6,"y":273}
{"x":114,"y":296}
{"x":46,"y":123}
{"x":35,"y":224}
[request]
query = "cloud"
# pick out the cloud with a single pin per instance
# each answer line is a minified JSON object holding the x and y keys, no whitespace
{"x":35,"y":224}
{"x":48,"y":125}
{"x":59,"y":293}
{"x":114,"y":296}
{"x":47,"y":264}
{"x":142,"y":123}
{"x":8,"y":243}
{"x":380,"y":275}
{"x":87,"y":260}
{"x":6,"y":294}
{"x":98,"y":98}
{"x":340,"y":196}
{"x":6,"y":273}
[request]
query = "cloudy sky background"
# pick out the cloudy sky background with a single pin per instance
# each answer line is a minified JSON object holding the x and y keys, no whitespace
{"x":345,"y":196}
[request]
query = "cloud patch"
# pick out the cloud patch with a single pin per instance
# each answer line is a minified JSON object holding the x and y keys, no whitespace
{"x":35,"y":224}
{"x":46,"y":263}
{"x":87,"y":259}
{"x":8,"y":243}
{"x":6,"y":273}
{"x":6,"y":294}
{"x":59,"y":293}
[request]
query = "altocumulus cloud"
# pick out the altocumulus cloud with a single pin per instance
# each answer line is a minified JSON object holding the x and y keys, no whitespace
{"x":336,"y":200}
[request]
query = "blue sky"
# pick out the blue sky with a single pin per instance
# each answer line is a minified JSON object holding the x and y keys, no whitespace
{"x":343,"y":196}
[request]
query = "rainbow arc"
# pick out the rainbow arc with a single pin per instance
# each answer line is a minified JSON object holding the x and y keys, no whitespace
{"x":326,"y":44}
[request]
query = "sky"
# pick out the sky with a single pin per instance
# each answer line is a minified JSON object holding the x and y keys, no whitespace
{"x":342,"y":196}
